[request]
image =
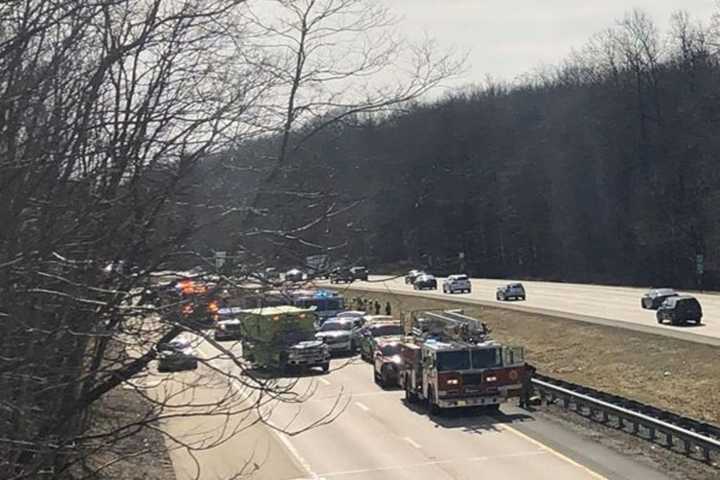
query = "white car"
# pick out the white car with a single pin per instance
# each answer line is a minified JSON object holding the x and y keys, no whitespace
{"x":457,"y":283}
{"x":339,"y":334}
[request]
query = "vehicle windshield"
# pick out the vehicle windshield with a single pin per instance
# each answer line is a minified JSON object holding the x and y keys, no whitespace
{"x":486,"y":358}
{"x":334,"y":326}
{"x":390,"y":349}
{"x":383,"y":330}
{"x":458,"y":360}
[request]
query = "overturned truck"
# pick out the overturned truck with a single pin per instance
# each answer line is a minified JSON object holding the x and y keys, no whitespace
{"x":449,"y":361}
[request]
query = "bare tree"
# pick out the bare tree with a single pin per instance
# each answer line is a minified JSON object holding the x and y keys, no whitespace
{"x":107,"y":109}
{"x":334,"y":63}
{"x":336,"y":58}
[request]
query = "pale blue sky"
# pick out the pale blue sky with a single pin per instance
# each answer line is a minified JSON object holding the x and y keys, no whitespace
{"x":511,"y":37}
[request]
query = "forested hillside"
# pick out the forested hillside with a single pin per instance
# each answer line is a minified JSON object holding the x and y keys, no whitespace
{"x":602,"y":169}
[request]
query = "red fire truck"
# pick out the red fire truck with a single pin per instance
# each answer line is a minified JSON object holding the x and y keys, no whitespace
{"x":450,"y":362}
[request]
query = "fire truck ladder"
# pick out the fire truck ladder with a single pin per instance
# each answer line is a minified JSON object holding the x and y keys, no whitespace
{"x":449,"y":324}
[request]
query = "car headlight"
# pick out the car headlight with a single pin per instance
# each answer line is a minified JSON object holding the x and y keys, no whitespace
{"x":453,"y":381}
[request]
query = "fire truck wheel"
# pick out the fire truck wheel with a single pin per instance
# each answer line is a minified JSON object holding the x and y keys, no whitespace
{"x":432,"y":407}
{"x":325,"y":367}
{"x":410,"y":397}
{"x":384,"y":381}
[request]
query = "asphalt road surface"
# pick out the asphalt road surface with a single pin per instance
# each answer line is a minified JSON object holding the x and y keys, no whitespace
{"x":377,"y":436}
{"x":614,"y":306}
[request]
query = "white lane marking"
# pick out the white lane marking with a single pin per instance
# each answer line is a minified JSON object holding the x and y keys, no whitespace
{"x":362,"y":406}
{"x":412,"y":442}
{"x":349,"y":394}
{"x":559,"y":455}
{"x":291,"y":448}
{"x":430,"y":463}
{"x":323,"y":381}
{"x":277,"y":431}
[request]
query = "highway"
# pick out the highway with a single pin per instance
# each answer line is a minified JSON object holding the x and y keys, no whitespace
{"x":377,"y":436}
{"x":614,"y":306}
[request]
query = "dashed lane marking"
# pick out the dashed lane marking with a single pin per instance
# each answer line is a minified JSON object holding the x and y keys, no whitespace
{"x":412,"y":442}
{"x":283,"y":439}
{"x":557,"y":454}
{"x":323,"y":381}
{"x":362,"y":406}
{"x":406,"y":466}
{"x":300,"y":459}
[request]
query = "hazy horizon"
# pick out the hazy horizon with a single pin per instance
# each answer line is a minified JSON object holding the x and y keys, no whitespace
{"x":506,"y":40}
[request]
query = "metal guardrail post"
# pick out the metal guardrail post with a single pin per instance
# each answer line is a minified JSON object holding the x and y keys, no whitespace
{"x":689,"y":438}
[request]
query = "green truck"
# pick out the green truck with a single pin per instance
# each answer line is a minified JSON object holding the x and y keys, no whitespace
{"x":281,"y":338}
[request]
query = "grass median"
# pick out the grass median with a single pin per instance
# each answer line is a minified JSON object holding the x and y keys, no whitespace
{"x":672,"y":374}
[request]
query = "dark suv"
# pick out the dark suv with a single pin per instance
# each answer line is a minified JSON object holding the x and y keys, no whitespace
{"x":680,"y":310}
{"x":359,"y":273}
{"x":342,"y":275}
{"x":655,"y":297}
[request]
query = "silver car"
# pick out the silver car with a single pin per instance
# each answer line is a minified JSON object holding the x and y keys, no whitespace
{"x":511,"y":291}
{"x":457,"y":283}
{"x":176,"y":355}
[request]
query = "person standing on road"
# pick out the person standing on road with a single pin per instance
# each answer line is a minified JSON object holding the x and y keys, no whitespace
{"x":526,"y":392}
{"x":388,"y":309}
{"x":377,"y":307}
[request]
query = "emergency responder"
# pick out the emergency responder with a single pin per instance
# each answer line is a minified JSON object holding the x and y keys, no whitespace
{"x":526,"y":386}
{"x":377,"y":307}
{"x":388,"y":309}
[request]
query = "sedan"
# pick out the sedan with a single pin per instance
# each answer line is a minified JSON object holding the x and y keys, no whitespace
{"x":176,"y":355}
{"x":655,"y":297}
{"x":373,"y":333}
{"x":425,"y":282}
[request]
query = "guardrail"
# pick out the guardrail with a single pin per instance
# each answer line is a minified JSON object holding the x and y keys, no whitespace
{"x":691,"y":437}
